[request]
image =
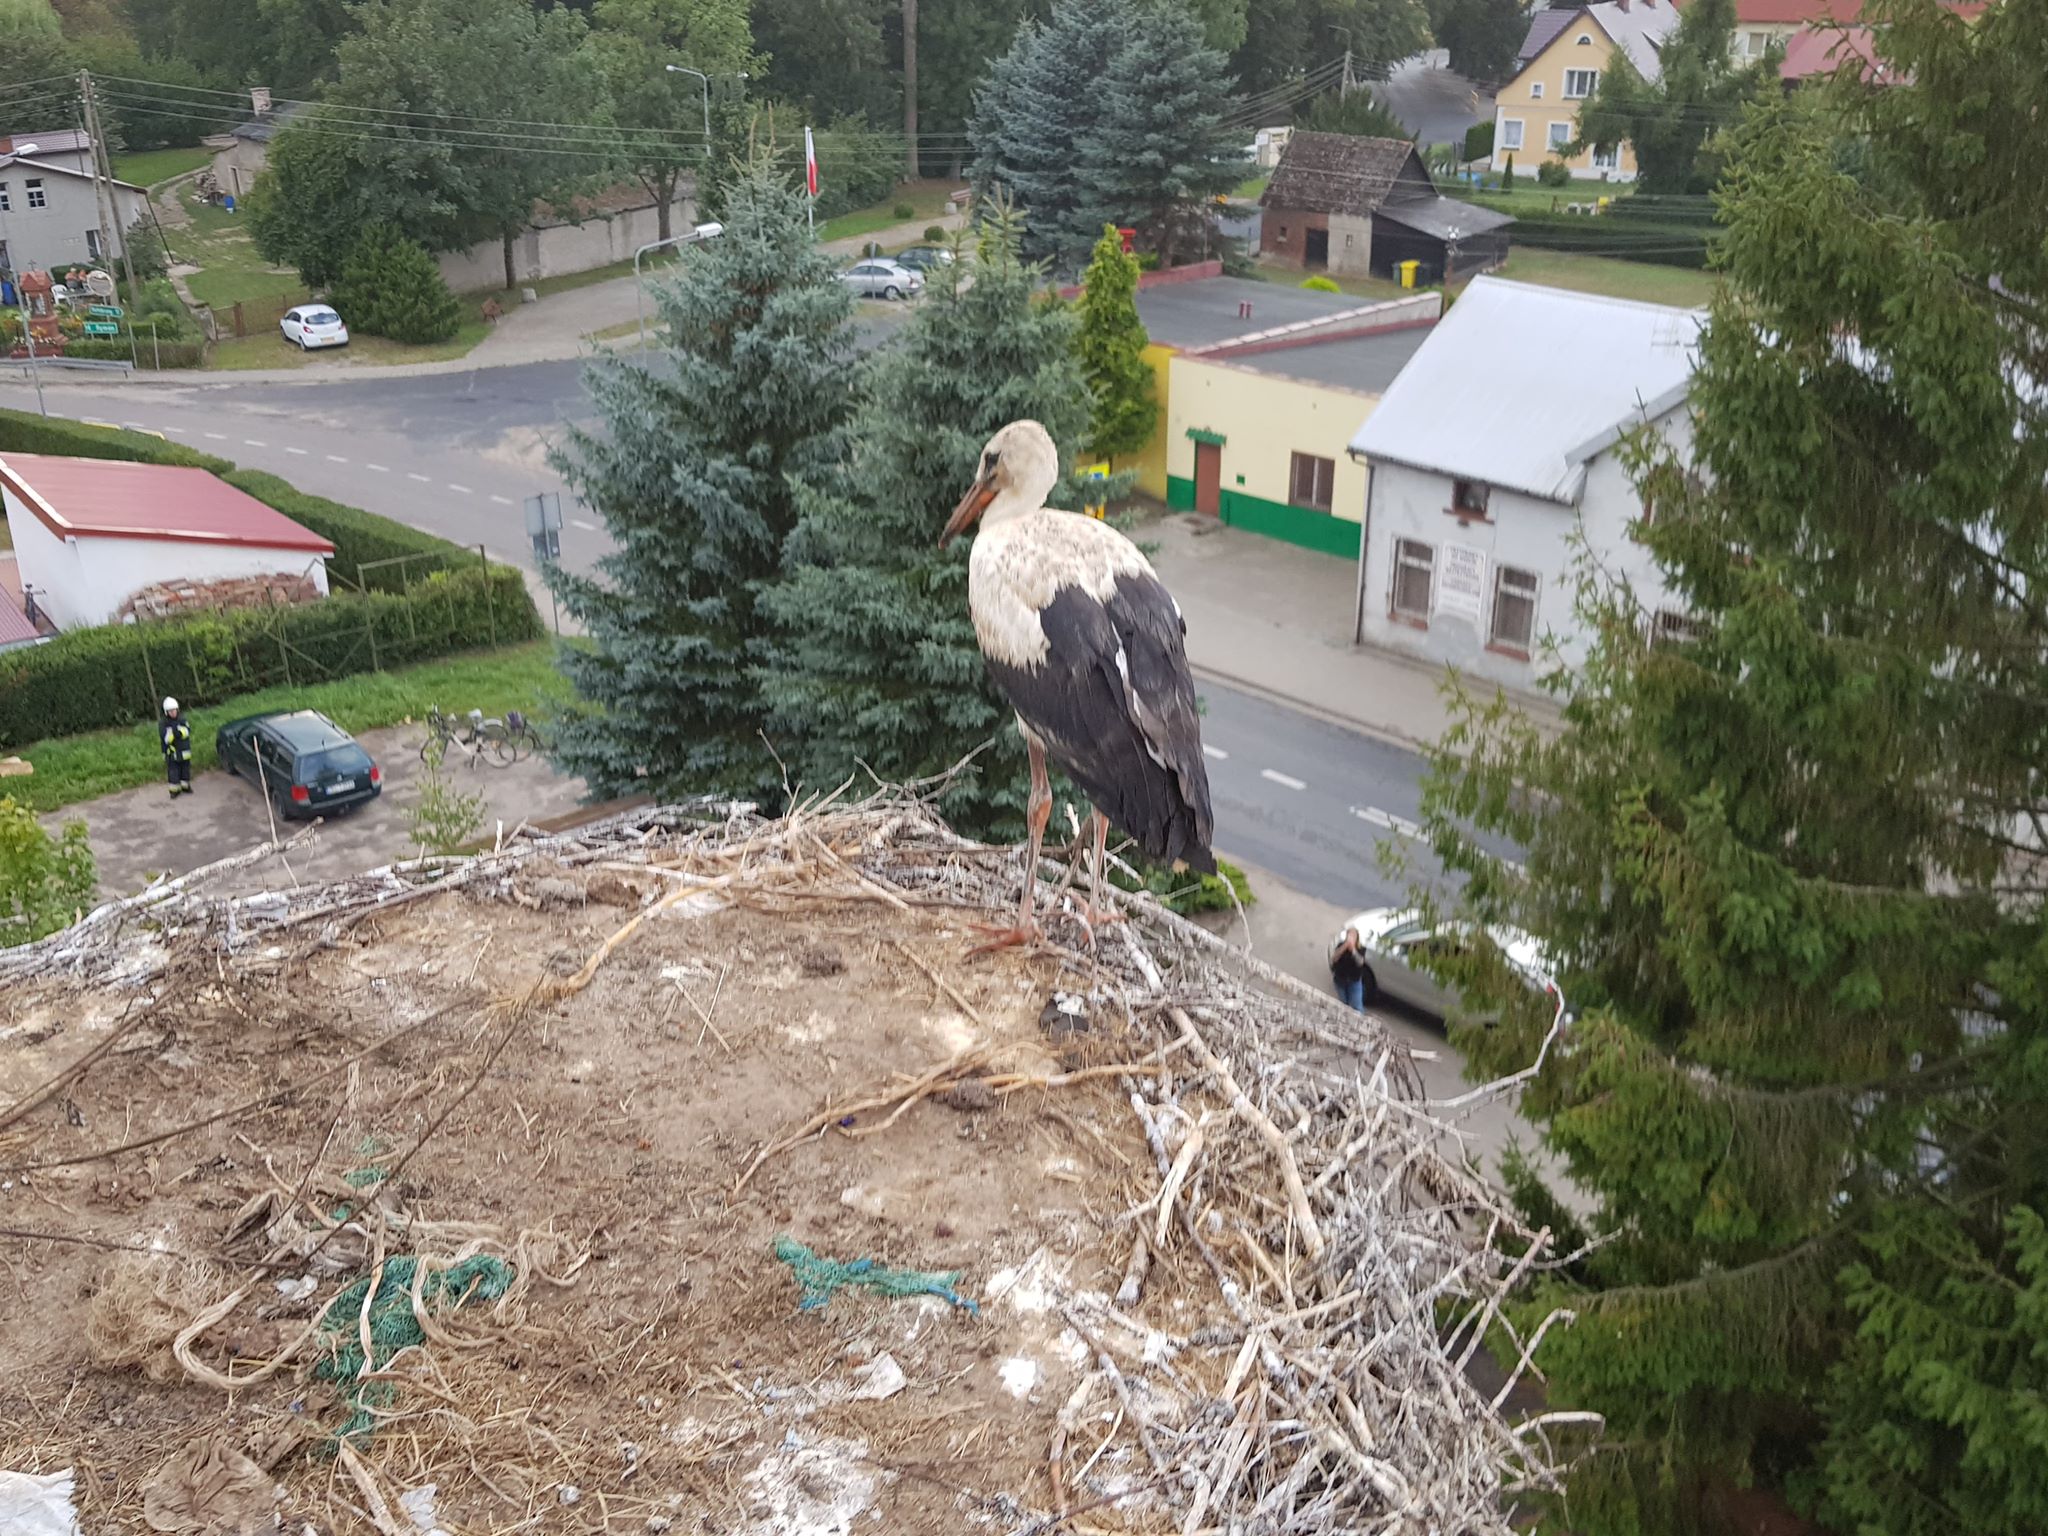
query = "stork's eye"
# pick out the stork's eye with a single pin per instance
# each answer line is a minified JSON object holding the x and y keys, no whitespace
{"x":988,"y":462}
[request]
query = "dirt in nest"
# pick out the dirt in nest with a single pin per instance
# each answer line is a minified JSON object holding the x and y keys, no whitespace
{"x":674,"y":1383}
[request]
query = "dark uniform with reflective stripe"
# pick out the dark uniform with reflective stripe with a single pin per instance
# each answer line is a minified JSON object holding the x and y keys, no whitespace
{"x":176,"y":735}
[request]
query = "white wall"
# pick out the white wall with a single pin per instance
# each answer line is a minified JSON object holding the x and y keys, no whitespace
{"x":82,"y":582}
{"x":1521,"y":532}
{"x":54,"y":235}
{"x":560,"y":249}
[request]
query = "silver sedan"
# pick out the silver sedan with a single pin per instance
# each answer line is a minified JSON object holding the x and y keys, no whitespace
{"x":1399,"y":949}
{"x":880,"y":278}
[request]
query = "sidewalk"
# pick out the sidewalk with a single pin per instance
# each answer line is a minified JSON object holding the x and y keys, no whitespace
{"x":1277,"y":620}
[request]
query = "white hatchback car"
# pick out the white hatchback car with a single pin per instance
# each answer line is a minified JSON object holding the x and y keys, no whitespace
{"x":313,"y":325}
{"x":1398,"y":944}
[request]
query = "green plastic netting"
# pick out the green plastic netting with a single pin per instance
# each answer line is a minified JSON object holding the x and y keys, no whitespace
{"x":820,"y":1277}
{"x":393,"y":1326}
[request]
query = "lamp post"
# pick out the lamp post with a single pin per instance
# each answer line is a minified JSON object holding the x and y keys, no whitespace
{"x":35,"y":372}
{"x":705,"y":81}
{"x":701,"y":233}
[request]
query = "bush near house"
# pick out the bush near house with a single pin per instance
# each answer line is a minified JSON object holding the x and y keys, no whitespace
{"x":90,"y":679}
{"x":1321,"y":284}
{"x":389,"y":286}
{"x":1651,"y":233}
{"x":27,"y":432}
{"x":1479,"y":141}
{"x":1554,"y":173}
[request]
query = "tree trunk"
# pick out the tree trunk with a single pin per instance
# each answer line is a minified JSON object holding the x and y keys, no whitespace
{"x":511,"y":277}
{"x":664,"y":190}
{"x":910,"y":88}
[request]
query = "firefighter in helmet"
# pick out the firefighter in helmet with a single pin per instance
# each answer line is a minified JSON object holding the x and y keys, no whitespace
{"x":174,"y":731}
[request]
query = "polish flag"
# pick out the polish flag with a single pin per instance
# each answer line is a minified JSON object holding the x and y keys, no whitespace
{"x":810,"y":164}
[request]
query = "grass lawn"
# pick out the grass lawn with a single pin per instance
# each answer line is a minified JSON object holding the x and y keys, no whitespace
{"x":1248,"y":191}
{"x":926,"y":199}
{"x":230,"y":272}
{"x":269,"y":349}
{"x":1603,"y":274}
{"x":74,"y":768}
{"x":1531,"y":196}
{"x":148,"y":167}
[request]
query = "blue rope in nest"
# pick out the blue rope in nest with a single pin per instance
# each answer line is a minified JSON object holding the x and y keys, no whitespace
{"x":820,"y":1277}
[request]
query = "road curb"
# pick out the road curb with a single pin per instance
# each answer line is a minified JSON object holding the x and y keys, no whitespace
{"x":1405,"y":740}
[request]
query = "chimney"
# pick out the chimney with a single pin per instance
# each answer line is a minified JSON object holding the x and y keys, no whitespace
{"x":259,"y":102}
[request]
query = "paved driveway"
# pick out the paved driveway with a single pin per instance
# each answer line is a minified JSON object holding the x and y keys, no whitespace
{"x":140,"y":833}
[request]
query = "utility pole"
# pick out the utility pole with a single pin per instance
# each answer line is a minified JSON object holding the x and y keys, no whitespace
{"x":910,"y":165}
{"x":1344,"y":85}
{"x":103,"y":170}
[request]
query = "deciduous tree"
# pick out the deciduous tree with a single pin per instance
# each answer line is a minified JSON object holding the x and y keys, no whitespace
{"x":1792,"y":864}
{"x":46,"y":882}
{"x":1123,"y":394}
{"x":695,"y":465}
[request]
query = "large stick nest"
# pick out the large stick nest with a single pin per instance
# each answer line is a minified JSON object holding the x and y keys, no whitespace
{"x":1265,"y":1299}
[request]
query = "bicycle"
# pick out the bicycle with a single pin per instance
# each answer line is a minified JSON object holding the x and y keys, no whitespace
{"x":441,"y":735}
{"x":508,"y":741}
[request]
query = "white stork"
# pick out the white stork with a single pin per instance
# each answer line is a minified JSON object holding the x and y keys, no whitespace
{"x":1088,"y":647}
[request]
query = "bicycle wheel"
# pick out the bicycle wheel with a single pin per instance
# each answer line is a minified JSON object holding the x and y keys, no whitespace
{"x":502,"y":752}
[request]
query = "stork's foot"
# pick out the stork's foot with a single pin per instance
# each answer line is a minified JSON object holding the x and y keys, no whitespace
{"x":1025,"y":935}
{"x":1094,"y":918}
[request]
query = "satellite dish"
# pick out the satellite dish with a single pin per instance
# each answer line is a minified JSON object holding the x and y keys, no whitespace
{"x":99,"y":283}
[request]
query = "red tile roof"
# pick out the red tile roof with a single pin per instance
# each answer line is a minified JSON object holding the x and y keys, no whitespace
{"x":113,"y":499}
{"x":1819,"y":13}
{"x":1832,"y":48}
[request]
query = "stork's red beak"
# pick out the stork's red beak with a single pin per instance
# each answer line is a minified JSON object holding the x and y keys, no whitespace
{"x":972,"y":505}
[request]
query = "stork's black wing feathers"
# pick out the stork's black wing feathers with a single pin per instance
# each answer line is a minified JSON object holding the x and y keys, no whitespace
{"x":1115,"y":707}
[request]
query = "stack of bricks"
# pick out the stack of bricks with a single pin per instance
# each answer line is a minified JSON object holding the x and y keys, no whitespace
{"x":175,"y":597}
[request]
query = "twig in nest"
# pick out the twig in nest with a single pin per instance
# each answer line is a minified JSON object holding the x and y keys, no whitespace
{"x":941,"y":983}
{"x":931,"y":1082}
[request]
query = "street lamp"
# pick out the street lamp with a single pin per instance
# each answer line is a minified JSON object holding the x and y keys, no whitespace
{"x":705,"y":81}
{"x":22,"y":151}
{"x":696,"y":236}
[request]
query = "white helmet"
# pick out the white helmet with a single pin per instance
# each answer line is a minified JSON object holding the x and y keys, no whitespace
{"x":169,"y":704}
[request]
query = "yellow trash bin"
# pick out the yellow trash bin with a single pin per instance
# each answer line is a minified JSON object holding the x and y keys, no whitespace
{"x":1408,"y":270}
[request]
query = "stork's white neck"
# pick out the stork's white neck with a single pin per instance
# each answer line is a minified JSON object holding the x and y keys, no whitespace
{"x":1024,"y":493}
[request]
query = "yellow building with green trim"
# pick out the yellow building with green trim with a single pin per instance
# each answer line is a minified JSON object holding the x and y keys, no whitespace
{"x":1565,"y":55}
{"x":1262,"y":388}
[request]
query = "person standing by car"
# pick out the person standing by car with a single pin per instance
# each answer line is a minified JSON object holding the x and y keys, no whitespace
{"x":1347,"y":969}
{"x":174,"y":731}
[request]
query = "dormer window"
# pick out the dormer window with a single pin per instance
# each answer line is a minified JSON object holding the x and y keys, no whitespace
{"x":1468,"y":498}
{"x":1585,"y":40}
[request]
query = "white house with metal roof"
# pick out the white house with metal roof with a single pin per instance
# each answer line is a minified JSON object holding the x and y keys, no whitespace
{"x":1493,"y":468}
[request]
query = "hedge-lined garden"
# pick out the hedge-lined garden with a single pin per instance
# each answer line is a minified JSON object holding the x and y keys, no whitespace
{"x":1632,"y":229}
{"x":444,"y":600}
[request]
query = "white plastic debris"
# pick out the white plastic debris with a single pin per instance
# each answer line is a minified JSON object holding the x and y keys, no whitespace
{"x":299,"y":1289}
{"x":418,"y":1504}
{"x":880,"y":1378}
{"x":37,"y":1504}
{"x":1020,"y":1375}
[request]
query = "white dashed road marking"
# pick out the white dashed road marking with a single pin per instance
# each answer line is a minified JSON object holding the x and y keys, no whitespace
{"x":179,"y":431}
{"x":379,"y":468}
{"x":299,"y":451}
{"x":423,"y":479}
{"x":1216,"y":752}
{"x":1285,"y":781}
{"x":1387,"y":819}
{"x":462,"y":488}
{"x":503,"y":501}
{"x":139,"y":426}
{"x":577,"y":522}
{"x":335,"y":458}
{"x":218,"y":437}
{"x":251,"y":442}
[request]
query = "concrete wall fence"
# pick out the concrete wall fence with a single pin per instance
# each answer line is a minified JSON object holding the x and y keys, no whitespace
{"x":556,"y":250}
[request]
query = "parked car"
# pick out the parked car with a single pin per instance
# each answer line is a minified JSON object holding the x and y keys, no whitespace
{"x":309,"y":765}
{"x":1398,"y":943}
{"x":922,"y":258}
{"x":313,"y":325}
{"x":880,"y":278}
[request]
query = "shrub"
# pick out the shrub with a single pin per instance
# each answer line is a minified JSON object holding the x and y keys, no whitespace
{"x":167,"y":352}
{"x":1507,"y":176}
{"x":26,"y":432}
{"x":1479,"y":141}
{"x":145,"y":250}
{"x":89,"y":679}
{"x":1554,"y":173}
{"x":935,"y":234}
{"x":1188,"y":893}
{"x":443,"y":819}
{"x":1321,"y":284}
{"x":1664,"y":244}
{"x":904,"y":211}
{"x":390,"y":286}
{"x":46,"y":882}
{"x":359,"y":538}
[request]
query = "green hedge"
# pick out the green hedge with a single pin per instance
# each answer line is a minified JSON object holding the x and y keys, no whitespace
{"x":90,"y":679}
{"x":169,"y":353}
{"x":360,"y":538}
{"x":27,"y":432}
{"x":1664,"y":242}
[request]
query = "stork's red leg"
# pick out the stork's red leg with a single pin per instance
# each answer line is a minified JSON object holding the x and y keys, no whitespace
{"x":1097,"y":913}
{"x":1025,"y":929}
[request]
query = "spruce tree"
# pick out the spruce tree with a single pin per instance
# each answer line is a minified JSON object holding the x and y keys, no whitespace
{"x":875,"y":663}
{"x":1792,"y":864}
{"x":1124,"y":405}
{"x":695,"y":466}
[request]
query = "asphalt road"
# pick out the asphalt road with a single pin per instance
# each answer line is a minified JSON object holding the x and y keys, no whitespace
{"x":1431,"y":102}
{"x":1305,"y":799}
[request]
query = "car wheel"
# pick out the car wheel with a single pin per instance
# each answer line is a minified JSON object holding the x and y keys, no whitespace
{"x":892,"y":292}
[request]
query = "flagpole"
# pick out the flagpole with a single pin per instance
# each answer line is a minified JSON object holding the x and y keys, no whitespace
{"x":811,"y":181}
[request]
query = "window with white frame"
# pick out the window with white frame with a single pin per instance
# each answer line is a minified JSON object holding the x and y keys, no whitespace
{"x":1511,"y":133}
{"x":1560,"y":135}
{"x":1535,"y":90}
{"x":1669,"y":627}
{"x":1514,"y":608}
{"x":1585,"y":40}
{"x":6,"y":198}
{"x":1578,"y":83}
{"x":1414,"y":577}
{"x":1608,"y":159}
{"x":35,"y":192}
{"x":1310,"y":481}
{"x":92,"y":244}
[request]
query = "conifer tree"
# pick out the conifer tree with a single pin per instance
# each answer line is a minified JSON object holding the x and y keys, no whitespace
{"x":695,"y":466}
{"x":1125,"y":404}
{"x":1792,"y":864}
{"x":875,"y":661}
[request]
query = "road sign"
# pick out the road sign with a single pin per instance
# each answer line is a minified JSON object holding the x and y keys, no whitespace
{"x":102,"y":328}
{"x":547,"y":546}
{"x":106,"y":311}
{"x":544,"y":515}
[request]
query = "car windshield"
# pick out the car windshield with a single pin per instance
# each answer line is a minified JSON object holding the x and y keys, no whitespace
{"x":322,"y":317}
{"x":334,"y":763}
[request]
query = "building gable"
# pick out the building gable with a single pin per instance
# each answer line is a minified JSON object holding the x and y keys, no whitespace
{"x":1342,"y":173}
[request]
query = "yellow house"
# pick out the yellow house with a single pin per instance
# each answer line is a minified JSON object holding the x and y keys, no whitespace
{"x":1537,"y":113}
